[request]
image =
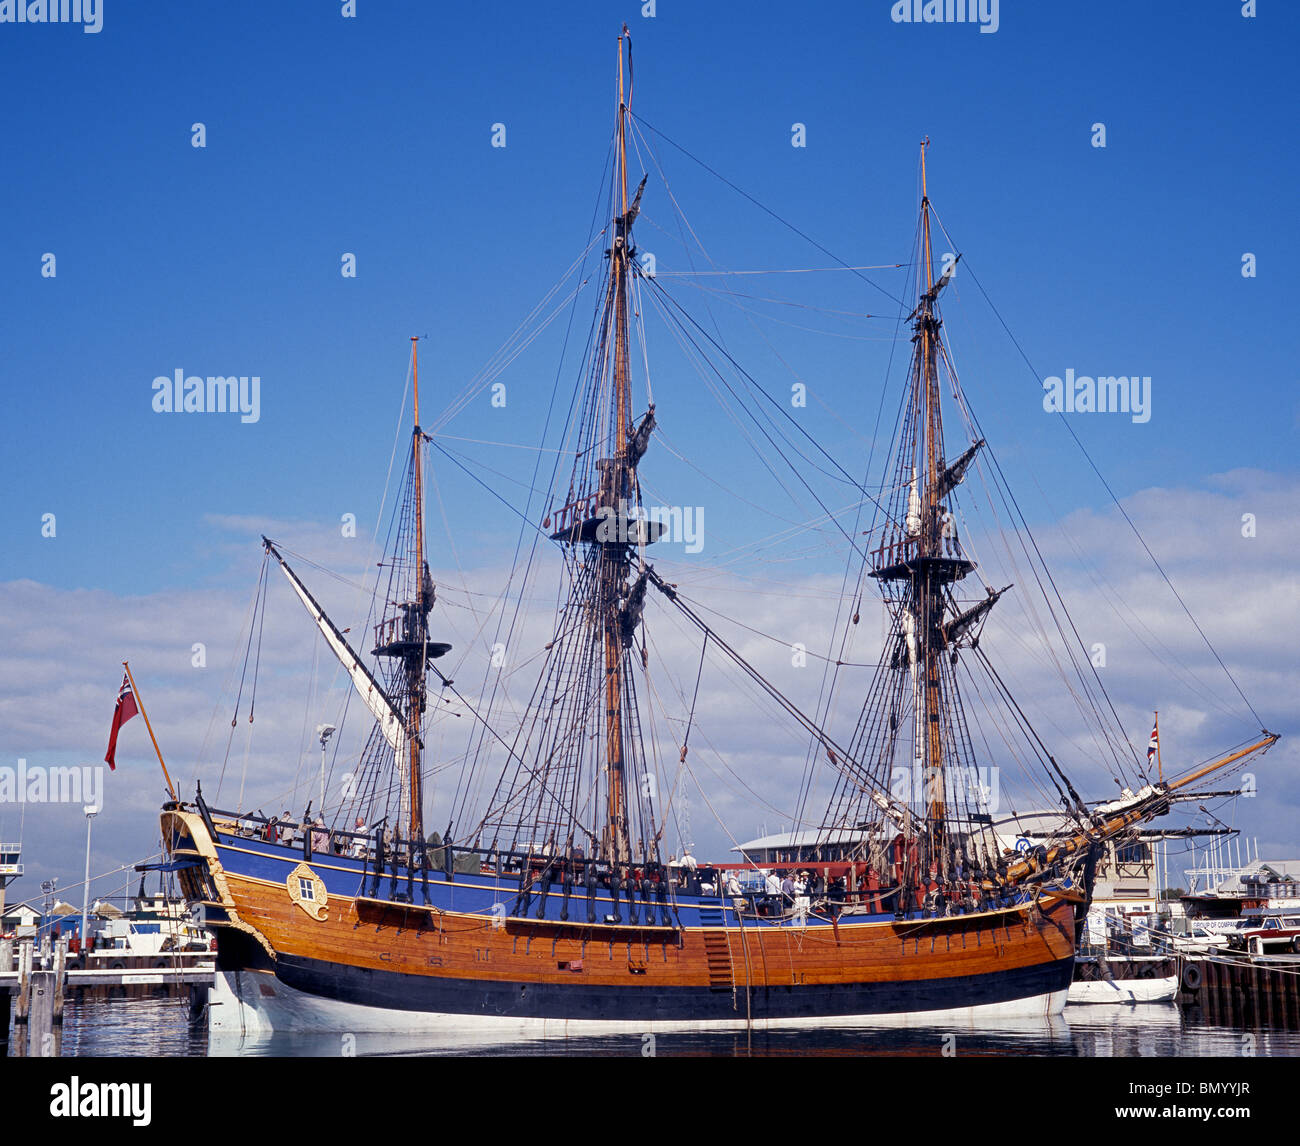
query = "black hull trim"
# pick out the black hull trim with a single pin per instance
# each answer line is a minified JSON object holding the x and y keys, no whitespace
{"x":419,"y":993}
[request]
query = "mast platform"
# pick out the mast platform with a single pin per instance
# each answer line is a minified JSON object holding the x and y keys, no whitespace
{"x":433,"y":649}
{"x":612,"y":529}
{"x":935,"y":568}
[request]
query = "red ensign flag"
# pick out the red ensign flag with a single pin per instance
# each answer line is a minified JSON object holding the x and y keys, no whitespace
{"x":121,"y":714}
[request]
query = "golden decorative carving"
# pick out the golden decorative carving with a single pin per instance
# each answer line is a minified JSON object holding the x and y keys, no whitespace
{"x":307,"y":890}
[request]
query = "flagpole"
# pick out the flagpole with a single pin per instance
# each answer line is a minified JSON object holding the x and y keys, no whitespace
{"x":140,"y":704}
{"x":1160,"y":767}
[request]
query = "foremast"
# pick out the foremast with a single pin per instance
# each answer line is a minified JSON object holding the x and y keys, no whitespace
{"x":920,"y":556}
{"x":917,"y":563}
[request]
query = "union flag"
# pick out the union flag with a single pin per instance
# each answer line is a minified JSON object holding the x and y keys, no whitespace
{"x":1153,"y":745}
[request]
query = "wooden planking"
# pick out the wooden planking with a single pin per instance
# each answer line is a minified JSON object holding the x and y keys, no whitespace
{"x":457,"y":945}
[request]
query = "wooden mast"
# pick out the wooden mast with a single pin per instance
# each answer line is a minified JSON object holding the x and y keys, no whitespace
{"x":929,"y":601}
{"x":415,"y":661}
{"x":614,"y":480}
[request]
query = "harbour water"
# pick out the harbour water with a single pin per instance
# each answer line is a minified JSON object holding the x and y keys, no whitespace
{"x":160,"y":1028}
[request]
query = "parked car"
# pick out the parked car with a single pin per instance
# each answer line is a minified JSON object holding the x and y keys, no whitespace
{"x":1275,"y":934}
{"x":1198,"y":941}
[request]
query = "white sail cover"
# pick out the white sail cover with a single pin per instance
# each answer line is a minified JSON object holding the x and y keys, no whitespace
{"x":913,"y":508}
{"x":390,"y":721}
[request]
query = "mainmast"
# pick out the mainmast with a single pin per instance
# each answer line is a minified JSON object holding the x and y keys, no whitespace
{"x":579,"y":787}
{"x":930,"y":609}
{"x":603,"y":507}
{"x":614,"y":492}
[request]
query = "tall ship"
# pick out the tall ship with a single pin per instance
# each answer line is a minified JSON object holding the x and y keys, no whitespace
{"x":551,"y":905}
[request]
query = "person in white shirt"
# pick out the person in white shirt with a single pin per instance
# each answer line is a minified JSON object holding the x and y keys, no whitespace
{"x":802,"y":903}
{"x":736,"y":892}
{"x":948,"y":532}
{"x":772,"y":887}
{"x":360,"y":844}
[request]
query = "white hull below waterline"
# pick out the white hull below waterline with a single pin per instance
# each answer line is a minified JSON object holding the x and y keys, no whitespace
{"x":254,"y":1005}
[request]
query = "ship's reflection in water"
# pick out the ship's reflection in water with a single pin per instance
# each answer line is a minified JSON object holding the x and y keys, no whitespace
{"x":160,"y":1028}
{"x":1102,"y":1032}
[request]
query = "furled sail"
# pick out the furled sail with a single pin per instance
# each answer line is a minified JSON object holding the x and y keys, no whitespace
{"x":952,"y":477}
{"x":913,"y":508}
{"x":369,"y":689}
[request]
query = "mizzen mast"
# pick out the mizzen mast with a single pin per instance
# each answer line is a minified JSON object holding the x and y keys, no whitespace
{"x":403,"y":636}
{"x":415,"y":666}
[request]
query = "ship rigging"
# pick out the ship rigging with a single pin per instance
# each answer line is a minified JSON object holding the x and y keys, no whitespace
{"x":553,"y":833}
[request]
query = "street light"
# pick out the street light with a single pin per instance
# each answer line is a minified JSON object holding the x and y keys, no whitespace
{"x":47,"y":886}
{"x":91,"y":811}
{"x":324,"y":731}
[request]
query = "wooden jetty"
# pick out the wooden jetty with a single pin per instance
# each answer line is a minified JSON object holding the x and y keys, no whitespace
{"x":1262,"y":989}
{"x":35,"y":985}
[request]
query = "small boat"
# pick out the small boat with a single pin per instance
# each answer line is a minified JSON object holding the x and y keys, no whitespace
{"x":1124,"y":991}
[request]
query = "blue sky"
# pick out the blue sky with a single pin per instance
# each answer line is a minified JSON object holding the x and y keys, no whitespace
{"x":372,"y":136}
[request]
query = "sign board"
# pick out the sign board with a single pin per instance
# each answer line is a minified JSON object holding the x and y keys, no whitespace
{"x":1096,"y":927}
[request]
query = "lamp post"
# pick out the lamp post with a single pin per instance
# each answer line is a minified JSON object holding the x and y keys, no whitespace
{"x":324,"y":731}
{"x":91,"y":811}
{"x":47,"y":886}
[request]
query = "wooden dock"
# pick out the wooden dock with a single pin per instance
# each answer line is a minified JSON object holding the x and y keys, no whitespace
{"x":34,"y":987}
{"x":1243,"y":988}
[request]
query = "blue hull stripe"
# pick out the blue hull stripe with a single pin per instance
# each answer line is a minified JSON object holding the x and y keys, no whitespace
{"x":398,"y":991}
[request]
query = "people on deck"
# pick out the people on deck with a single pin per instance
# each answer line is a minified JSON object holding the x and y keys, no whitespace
{"x":772,"y":893}
{"x":736,"y":892}
{"x":360,"y":843}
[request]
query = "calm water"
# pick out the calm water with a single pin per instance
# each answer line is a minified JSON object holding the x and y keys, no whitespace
{"x":161,"y":1028}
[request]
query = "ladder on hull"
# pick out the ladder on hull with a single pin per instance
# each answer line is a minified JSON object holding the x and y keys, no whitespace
{"x":717,"y":950}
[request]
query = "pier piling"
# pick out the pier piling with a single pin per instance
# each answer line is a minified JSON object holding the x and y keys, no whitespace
{"x":42,"y":1040}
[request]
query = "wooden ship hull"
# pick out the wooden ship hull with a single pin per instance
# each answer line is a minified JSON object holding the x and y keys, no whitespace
{"x":370,"y":963}
{"x":527,"y":922}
